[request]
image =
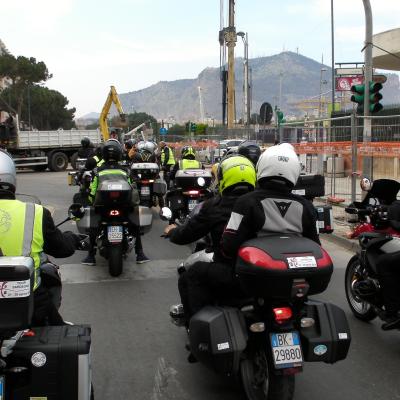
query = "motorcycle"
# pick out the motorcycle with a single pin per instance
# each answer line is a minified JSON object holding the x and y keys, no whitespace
{"x":191,"y":187}
{"x":81,"y":178}
{"x":115,"y":220}
{"x":150,"y":187}
{"x":377,"y":236}
{"x":30,"y":357}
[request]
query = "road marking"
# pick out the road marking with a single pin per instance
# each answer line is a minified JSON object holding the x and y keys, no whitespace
{"x":155,"y":269}
{"x":166,"y":384}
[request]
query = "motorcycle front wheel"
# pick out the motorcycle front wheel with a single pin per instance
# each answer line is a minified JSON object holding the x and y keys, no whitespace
{"x":360,"y":308}
{"x":260,"y":383}
{"x":115,"y":254}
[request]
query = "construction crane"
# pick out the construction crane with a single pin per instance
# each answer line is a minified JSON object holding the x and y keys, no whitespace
{"x":202,"y":114}
{"x":111,"y":98}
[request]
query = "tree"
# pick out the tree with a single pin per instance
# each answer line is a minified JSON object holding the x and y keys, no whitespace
{"x":23,"y":73}
{"x":177,"y":129}
{"x":137,"y":118}
{"x":48,"y":108}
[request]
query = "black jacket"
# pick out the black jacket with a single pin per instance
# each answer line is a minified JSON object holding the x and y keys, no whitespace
{"x":211,"y":219}
{"x":56,"y":243}
{"x":270,"y":208}
{"x":85,"y":152}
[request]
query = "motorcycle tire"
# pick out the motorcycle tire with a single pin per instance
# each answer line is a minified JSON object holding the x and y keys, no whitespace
{"x":115,"y":260}
{"x":361,"y":309}
{"x":260,"y":383}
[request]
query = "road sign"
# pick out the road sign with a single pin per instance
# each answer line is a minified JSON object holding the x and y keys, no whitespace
{"x":163,"y":131}
{"x":349,"y":71}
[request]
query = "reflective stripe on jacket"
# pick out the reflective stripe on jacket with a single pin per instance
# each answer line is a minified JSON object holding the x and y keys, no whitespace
{"x":21,"y":231}
{"x":189,"y":164}
{"x":99,"y":161}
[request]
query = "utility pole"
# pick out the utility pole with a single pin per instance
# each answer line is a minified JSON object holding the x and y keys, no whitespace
{"x":280,"y":89}
{"x":333,"y":56}
{"x":367,"y":165}
{"x":246,"y":79}
{"x":201,"y":105}
{"x":222,"y":61}
{"x":231,"y":38}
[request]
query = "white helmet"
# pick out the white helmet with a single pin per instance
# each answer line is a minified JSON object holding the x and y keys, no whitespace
{"x":8,"y":174}
{"x":279,"y":161}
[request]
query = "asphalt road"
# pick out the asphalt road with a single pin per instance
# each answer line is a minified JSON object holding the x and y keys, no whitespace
{"x":139,"y":354}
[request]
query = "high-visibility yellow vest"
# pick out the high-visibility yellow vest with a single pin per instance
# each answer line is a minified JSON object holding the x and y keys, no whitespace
{"x":189,"y":164}
{"x":171,"y":159}
{"x":21,"y":231}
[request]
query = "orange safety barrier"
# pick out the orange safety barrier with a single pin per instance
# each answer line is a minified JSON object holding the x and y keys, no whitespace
{"x":376,"y":149}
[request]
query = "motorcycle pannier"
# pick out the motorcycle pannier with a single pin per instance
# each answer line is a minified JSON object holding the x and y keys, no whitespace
{"x":329,"y":338}
{"x":325,"y":219}
{"x":310,"y":186}
{"x":217,"y":337}
{"x":143,"y":217}
{"x":159,"y":186}
{"x":146,"y":170}
{"x":57,"y":362}
{"x":175,"y":200}
{"x":17,"y":279}
{"x":274,"y":267}
{"x":190,"y":179}
{"x":89,"y":220}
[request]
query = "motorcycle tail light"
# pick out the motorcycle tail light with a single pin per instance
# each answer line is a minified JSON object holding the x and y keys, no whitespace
{"x":325,"y":260}
{"x":255,"y":256}
{"x":114,"y":195}
{"x":192,"y":192}
{"x":282,"y":314}
{"x":114,"y":213}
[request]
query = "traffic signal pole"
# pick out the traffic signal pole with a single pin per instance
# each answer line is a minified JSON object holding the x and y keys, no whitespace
{"x":231,"y":39}
{"x":367,"y":164}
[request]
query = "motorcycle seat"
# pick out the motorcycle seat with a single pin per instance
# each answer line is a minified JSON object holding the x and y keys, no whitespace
{"x":369,"y":240}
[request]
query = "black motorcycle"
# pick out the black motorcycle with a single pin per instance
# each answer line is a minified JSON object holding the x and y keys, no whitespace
{"x":149,"y":185}
{"x":114,"y":219}
{"x":81,"y":178}
{"x":191,"y":187}
{"x":31,"y":357}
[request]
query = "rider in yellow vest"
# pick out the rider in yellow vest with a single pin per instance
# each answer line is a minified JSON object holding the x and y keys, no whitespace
{"x":167,"y":161}
{"x":28,"y":230}
{"x":188,"y":161}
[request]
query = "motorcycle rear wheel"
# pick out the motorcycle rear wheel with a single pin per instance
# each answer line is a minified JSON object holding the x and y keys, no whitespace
{"x":361,"y":309}
{"x":260,"y":383}
{"x":115,"y":260}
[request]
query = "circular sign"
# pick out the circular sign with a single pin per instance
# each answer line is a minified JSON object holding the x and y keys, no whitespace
{"x":38,"y":359}
{"x":266,"y":113}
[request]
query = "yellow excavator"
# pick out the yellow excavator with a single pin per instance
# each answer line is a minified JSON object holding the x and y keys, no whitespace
{"x":111,"y":98}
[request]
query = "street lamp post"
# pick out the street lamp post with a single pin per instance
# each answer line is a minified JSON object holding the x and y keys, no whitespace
{"x":246,"y":80}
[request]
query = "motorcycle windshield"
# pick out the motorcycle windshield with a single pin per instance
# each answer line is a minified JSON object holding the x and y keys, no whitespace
{"x":385,"y":190}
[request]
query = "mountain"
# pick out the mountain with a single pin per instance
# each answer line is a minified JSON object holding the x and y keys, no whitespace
{"x":300,"y":79}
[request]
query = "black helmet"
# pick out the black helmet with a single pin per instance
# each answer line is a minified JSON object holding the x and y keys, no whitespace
{"x":112,"y":150}
{"x":130,"y":143}
{"x":250,"y":150}
{"x":85,"y":142}
{"x":99,"y":150}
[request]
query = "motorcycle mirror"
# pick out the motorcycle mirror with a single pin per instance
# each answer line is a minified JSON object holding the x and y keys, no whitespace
{"x":201,"y":181}
{"x":165,"y":214}
{"x":366,"y":184}
{"x":76,"y":211}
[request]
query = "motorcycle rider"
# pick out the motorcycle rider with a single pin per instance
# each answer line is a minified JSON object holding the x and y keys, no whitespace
{"x":198,"y":285}
{"x":167,"y":160}
{"x":271,"y":208}
{"x":28,"y":230}
{"x":112,"y":154}
{"x":130,"y":149}
{"x":86,"y":150}
{"x":187,"y":161}
{"x":96,"y":160}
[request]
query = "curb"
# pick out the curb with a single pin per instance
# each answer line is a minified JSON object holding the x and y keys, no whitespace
{"x":348,"y":244}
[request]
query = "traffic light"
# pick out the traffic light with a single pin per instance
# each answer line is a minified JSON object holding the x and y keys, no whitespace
{"x":280,"y":117}
{"x":193,"y":127}
{"x":374,"y":97}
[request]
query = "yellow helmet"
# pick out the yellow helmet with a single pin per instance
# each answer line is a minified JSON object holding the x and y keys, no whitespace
{"x":235,"y":170}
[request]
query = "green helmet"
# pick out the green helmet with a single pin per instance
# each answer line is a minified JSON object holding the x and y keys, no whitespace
{"x":236,"y":170}
{"x":188,"y":152}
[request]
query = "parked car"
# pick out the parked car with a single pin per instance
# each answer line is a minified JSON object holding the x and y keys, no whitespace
{"x":212,"y":154}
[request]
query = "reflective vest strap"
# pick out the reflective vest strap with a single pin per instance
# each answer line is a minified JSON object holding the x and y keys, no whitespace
{"x":28,"y":229}
{"x":97,"y":159}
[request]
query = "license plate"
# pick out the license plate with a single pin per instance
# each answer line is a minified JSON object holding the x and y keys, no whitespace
{"x":145,"y":191}
{"x":115,"y":234}
{"x":286,"y":349}
{"x":302,"y":262}
{"x":192,"y":204}
{"x":2,"y":391}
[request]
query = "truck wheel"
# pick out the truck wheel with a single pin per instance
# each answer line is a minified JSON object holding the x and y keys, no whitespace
{"x":74,"y":157}
{"x":58,"y":162}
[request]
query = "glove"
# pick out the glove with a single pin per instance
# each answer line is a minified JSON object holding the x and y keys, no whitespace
{"x":73,"y":238}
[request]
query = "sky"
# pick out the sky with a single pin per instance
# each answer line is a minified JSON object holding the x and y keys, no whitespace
{"x":89,"y":45}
